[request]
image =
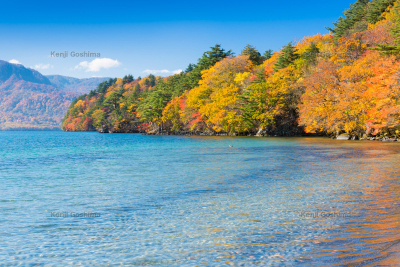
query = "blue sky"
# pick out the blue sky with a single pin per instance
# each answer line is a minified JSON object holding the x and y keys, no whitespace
{"x":138,"y":37}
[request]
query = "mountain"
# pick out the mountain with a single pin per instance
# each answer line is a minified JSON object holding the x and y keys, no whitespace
{"x":30,"y":100}
{"x":18,"y":72}
{"x":74,"y":84}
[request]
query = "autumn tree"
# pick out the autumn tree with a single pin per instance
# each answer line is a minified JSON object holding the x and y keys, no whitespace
{"x":335,"y":100}
{"x":215,"y":97}
{"x":172,"y":113}
{"x":384,"y":93}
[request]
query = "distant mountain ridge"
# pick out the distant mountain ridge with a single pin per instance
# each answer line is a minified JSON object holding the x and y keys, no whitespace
{"x":19,"y":72}
{"x":74,"y":84}
{"x":30,"y":100}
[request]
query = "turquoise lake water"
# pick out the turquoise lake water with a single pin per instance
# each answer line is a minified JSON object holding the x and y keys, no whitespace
{"x":193,"y":201}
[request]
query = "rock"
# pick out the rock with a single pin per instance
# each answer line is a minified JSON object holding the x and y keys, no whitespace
{"x":260,"y":133}
{"x":343,"y":137}
{"x":389,"y":139}
{"x":354,"y":138}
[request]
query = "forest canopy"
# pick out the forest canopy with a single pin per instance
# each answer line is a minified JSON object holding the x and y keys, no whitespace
{"x":347,"y":81}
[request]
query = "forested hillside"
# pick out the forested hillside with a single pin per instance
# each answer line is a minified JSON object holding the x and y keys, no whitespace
{"x":29,"y":100}
{"x":344,"y":82}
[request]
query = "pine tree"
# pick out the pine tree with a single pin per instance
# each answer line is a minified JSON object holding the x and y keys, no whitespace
{"x":287,"y":56}
{"x":396,"y":28}
{"x":389,"y":50}
{"x":137,"y":89}
{"x":253,"y":54}
{"x":91,"y":94}
{"x":127,"y":79}
{"x":211,"y":57}
{"x":152,"y":80}
{"x":100,"y":100}
{"x":376,"y":8}
{"x":189,"y":68}
{"x":208,"y":60}
{"x":268,"y":54}
{"x":354,"y":14}
{"x":311,"y":53}
{"x":112,"y":100}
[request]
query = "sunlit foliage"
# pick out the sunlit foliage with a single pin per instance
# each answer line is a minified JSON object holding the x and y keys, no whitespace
{"x":347,"y":82}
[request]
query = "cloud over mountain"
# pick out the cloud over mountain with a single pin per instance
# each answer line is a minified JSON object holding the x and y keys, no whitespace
{"x":42,"y":66}
{"x":14,"y":61}
{"x":97,"y":64}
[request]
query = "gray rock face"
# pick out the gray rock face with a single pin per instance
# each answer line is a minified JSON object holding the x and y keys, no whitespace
{"x":343,"y":137}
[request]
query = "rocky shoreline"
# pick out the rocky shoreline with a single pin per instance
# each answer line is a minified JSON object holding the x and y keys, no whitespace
{"x":212,"y":133}
{"x":344,"y":137}
{"x":261,"y":133}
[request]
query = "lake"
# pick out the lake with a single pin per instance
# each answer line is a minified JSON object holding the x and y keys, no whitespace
{"x":126,"y":199}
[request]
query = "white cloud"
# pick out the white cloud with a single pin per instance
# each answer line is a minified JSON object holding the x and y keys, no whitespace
{"x":41,"y":66}
{"x":155,"y":71}
{"x":14,"y":61}
{"x":162,"y":71}
{"x":177,"y":71}
{"x":97,"y":64}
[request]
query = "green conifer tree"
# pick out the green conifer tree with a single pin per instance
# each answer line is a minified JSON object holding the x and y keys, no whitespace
{"x":311,"y":53}
{"x":253,"y":54}
{"x":354,"y":14}
{"x":287,"y":56}
{"x":376,"y":8}
{"x":268,"y":54}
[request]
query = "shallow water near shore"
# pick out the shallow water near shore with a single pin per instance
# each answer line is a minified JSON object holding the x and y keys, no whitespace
{"x":197,"y":201}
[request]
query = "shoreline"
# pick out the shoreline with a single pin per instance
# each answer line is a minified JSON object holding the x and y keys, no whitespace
{"x":224,"y":134}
